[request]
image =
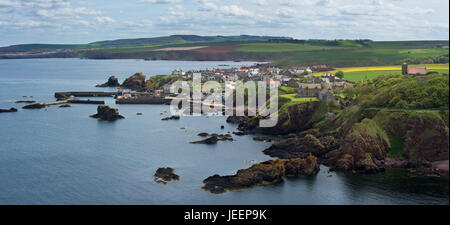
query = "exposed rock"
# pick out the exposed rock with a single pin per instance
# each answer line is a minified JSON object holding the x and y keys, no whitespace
{"x":363,"y":149}
{"x":225,"y":137}
{"x":28,"y":102}
{"x":261,"y":174}
{"x":296,"y":147}
{"x":213,"y":138}
{"x":426,"y":139}
{"x":302,"y":167}
{"x":139,"y":114}
{"x":209,"y":141}
{"x":166,"y":174}
{"x":264,"y":139}
{"x":106,"y":113}
{"x":222,"y":127}
{"x":34,"y":106}
{"x":171,"y":118}
{"x":295,"y":118}
{"x":8,"y":110}
{"x":112,"y":82}
{"x":203,"y":135}
{"x":237,"y":119}
{"x":135,"y":82}
{"x":239,"y":133}
{"x":65,"y":106}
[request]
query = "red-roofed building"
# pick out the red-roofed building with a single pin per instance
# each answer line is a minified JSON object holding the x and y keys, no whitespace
{"x":421,"y":71}
{"x":413,"y":71}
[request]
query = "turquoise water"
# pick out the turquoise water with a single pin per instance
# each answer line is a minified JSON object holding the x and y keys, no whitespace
{"x":61,"y":156}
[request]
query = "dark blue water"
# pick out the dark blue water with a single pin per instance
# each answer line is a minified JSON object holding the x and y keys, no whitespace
{"x":61,"y":156}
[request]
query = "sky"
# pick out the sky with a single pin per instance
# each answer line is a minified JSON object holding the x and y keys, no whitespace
{"x":76,"y":22}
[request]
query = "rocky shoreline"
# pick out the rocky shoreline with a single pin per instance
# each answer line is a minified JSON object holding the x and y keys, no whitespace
{"x":264,"y":173}
{"x":354,"y":146}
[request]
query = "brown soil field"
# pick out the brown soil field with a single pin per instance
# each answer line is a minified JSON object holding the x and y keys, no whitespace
{"x":217,"y":49}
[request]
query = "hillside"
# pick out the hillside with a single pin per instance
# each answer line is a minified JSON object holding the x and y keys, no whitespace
{"x":168,"y":40}
{"x":278,"y":50}
{"x":392,"y":121}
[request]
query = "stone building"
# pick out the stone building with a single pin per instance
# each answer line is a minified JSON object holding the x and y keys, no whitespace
{"x":309,"y":89}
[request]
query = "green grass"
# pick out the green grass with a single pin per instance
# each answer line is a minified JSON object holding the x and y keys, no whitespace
{"x":287,"y":90}
{"x":357,"y":57}
{"x":292,"y":99}
{"x":281,"y":47}
{"x":370,"y":75}
{"x":340,"y":53}
{"x":396,"y":147}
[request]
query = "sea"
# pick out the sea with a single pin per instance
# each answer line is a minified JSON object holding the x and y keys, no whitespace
{"x":62,"y":156}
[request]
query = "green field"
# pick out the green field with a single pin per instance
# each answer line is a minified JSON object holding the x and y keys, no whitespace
{"x":284,"y":52}
{"x":368,"y":73}
{"x":282,"y":47}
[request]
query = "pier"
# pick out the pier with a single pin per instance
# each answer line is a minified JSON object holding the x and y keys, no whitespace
{"x":59,"y":95}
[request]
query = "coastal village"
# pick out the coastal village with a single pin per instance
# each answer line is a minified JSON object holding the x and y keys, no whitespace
{"x":303,"y":80}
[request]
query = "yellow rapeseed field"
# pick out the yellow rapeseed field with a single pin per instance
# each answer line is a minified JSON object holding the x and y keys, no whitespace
{"x":388,"y":68}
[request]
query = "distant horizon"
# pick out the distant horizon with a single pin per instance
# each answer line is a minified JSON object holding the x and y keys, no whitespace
{"x":67,"y":43}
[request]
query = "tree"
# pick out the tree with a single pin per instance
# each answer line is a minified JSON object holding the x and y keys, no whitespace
{"x":339,"y":74}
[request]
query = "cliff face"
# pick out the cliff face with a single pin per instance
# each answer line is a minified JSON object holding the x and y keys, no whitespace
{"x":364,"y":148}
{"x":135,"y":82}
{"x":359,"y":139}
{"x":295,"y":118}
{"x":425,"y":133}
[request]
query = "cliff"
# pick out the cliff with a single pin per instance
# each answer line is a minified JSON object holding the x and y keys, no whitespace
{"x":367,"y":135}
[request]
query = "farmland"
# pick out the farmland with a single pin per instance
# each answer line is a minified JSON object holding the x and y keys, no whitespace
{"x":282,"y":52}
{"x":362,"y":73}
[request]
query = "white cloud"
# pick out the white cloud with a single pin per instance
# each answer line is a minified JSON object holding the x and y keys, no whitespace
{"x":105,"y":19}
{"x":161,"y":1}
{"x":235,"y":10}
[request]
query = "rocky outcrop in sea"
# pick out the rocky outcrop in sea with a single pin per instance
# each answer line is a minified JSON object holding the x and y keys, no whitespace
{"x":268,"y":172}
{"x":107,"y":114}
{"x":8,"y":110}
{"x":164,"y":175}
{"x":112,"y":82}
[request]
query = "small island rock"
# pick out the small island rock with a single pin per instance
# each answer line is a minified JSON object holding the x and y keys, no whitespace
{"x":106,"y":113}
{"x":166,"y":174}
{"x":8,"y":110}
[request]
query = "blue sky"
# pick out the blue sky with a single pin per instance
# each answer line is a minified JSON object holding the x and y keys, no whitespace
{"x":66,"y":21}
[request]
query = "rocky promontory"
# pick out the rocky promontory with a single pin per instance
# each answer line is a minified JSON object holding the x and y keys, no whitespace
{"x":268,"y":172}
{"x":107,"y":114}
{"x":135,"y":82}
{"x":112,"y":82}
